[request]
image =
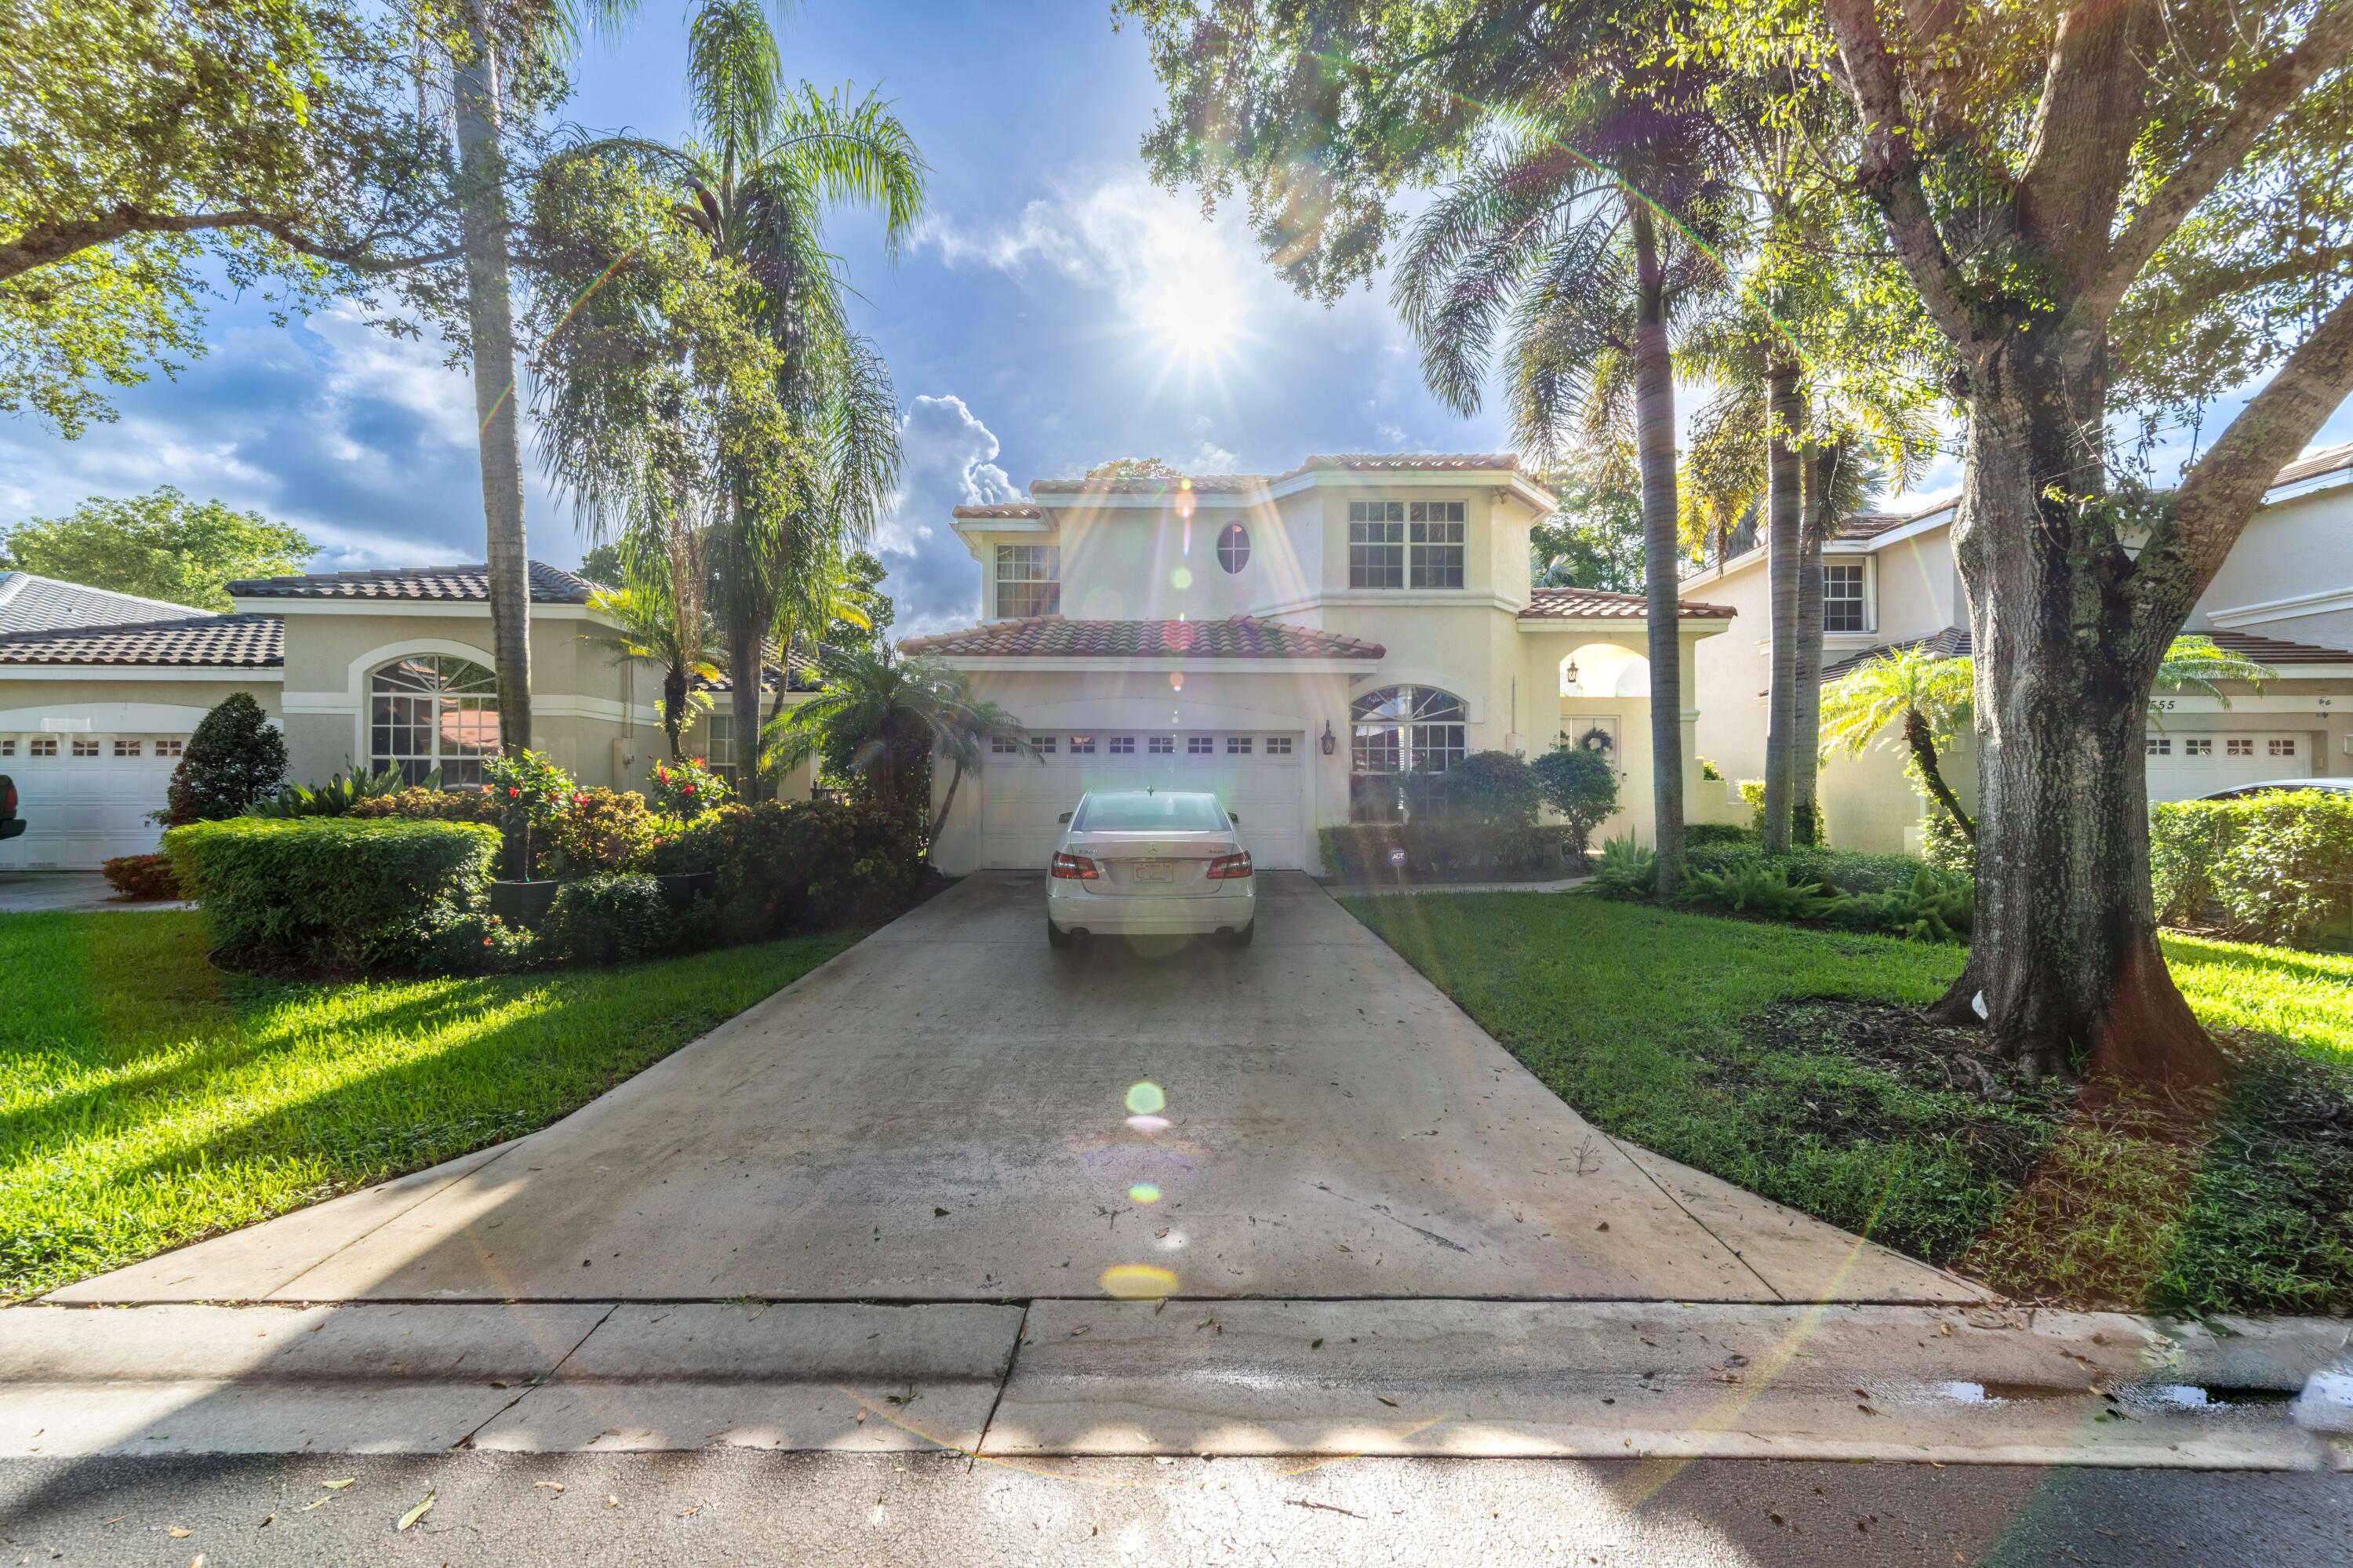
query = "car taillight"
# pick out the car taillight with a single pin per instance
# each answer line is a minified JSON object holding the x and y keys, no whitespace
{"x":1229,"y":865}
{"x":1077,"y":866}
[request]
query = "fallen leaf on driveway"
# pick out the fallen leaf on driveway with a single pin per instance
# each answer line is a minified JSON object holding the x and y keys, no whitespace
{"x":1385,"y":1399}
{"x":549,"y":1485}
{"x":320,"y":1503}
{"x":339,"y":1485}
{"x":413,"y":1515}
{"x":612,"y":1501}
{"x":177,"y":1534}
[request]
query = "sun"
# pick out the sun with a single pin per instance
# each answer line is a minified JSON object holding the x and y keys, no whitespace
{"x":1192,"y":309}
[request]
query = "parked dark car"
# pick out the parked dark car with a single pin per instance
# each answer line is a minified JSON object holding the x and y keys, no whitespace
{"x":2240,"y":791}
{"x":11,"y":824}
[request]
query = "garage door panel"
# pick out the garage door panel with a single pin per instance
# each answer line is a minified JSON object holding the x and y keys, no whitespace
{"x":2182,"y":766}
{"x":1021,"y":801}
{"x":81,"y":811}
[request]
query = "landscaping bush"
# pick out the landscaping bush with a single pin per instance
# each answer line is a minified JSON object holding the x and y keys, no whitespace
{"x":332,"y":892}
{"x":1698,"y":834}
{"x":810,"y":865}
{"x":1626,"y":869}
{"x":1937,"y":906}
{"x":1945,"y":847}
{"x":1582,"y":787}
{"x":1838,"y":871}
{"x":2278,"y":866}
{"x":531,"y":791}
{"x":607,"y":920}
{"x":686,"y":788}
{"x":235,"y":757}
{"x":1752,"y":793}
{"x":338,"y":797}
{"x":1442,"y":851}
{"x":425,"y":804}
{"x":143,"y":875}
{"x":604,"y":831}
{"x":1753,"y":888}
{"x":475,"y":943}
{"x":1493,"y":788}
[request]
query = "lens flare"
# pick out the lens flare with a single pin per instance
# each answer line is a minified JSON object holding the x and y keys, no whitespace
{"x":1147,"y":1123}
{"x":1181,"y":578}
{"x":1145,"y":1100}
{"x":1144,"y":1193}
{"x":1138,"y":1281}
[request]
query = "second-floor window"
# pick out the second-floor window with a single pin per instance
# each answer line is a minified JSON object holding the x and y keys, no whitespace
{"x":1028,"y":580}
{"x":1405,"y":544}
{"x":1842,"y":597}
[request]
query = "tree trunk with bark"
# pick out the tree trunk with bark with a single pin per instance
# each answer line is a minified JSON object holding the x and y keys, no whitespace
{"x":674,"y":708}
{"x":489,"y":321}
{"x":1806,"y":736}
{"x":2065,"y":952}
{"x":743,"y":663}
{"x":1923,"y":742}
{"x":1654,"y":418}
{"x":1785,"y":413}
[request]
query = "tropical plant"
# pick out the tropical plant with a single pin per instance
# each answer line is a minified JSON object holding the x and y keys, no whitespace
{"x":1626,"y":869}
{"x":339,"y":796}
{"x":681,"y":642}
{"x":1752,"y":888}
{"x":1934,"y":906}
{"x":1582,"y":787}
{"x":686,"y":788}
{"x":158,"y":545}
{"x":531,"y":791}
{"x":756,"y":181}
{"x":879,"y":722}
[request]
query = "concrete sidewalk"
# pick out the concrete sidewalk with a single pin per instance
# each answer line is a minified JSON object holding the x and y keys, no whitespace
{"x":1063,"y":1377}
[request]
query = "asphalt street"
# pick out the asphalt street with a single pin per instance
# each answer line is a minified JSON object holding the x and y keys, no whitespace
{"x":529,"y":1510}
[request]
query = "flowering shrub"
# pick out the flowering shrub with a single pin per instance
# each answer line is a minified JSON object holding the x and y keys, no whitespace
{"x":143,"y":875}
{"x":473,"y":943}
{"x":533,"y":791}
{"x":686,"y":788}
{"x":602,"y":830}
{"x":812,"y":866}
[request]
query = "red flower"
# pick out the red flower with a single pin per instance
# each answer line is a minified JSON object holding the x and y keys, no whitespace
{"x":486,"y":941}
{"x":690,"y":789}
{"x":512,"y":791}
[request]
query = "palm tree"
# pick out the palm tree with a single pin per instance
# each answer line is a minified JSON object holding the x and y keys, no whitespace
{"x":1578,"y":241}
{"x":879,"y":719}
{"x":1928,"y":698}
{"x":681,"y":641}
{"x":766,"y":165}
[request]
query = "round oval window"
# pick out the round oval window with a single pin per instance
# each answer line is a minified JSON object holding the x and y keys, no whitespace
{"x":1234,"y":547}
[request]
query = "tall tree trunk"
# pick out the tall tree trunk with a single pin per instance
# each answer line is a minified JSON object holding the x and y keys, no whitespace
{"x":489,"y":321}
{"x":2065,"y":952}
{"x":1806,"y":736}
{"x":674,"y":707}
{"x":947,"y":804}
{"x":1785,"y":414}
{"x":1923,"y":743}
{"x":743,"y":704}
{"x":1655,"y":421}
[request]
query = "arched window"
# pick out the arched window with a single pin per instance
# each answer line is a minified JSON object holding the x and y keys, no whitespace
{"x":1406,"y":737}
{"x":1234,"y":547}
{"x":433,"y":711}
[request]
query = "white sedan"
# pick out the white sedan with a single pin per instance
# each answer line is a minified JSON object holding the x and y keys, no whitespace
{"x":1150,"y":862}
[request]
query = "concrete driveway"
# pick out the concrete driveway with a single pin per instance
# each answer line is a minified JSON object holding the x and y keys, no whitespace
{"x":31,"y":892}
{"x":943,"y":1114}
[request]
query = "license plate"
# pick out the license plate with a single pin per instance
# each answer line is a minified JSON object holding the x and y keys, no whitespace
{"x":1156,"y":870}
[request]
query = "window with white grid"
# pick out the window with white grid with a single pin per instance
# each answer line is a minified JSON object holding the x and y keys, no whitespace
{"x":84,"y":748}
{"x":1434,"y":541}
{"x":8,"y":747}
{"x":2238,"y":746}
{"x":1200,"y":745}
{"x":42,"y":746}
{"x":1123,"y":746}
{"x":2279,"y":748}
{"x":2197,"y":748}
{"x":1278,"y":745}
{"x":1003,"y":746}
{"x":1238,"y":746}
{"x":1376,"y":544}
{"x":2157,"y":748}
{"x":1028,"y":580}
{"x":1082,"y":746}
{"x":1842,"y":597}
{"x":171,"y":748}
{"x":1044,"y":743}
{"x":126,"y":749}
{"x":1161,"y":745}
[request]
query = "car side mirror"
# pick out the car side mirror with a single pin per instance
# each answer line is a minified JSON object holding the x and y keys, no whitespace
{"x":1234,"y":816}
{"x":1064,"y":819}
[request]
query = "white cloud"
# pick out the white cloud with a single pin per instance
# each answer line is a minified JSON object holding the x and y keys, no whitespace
{"x":948,"y":458}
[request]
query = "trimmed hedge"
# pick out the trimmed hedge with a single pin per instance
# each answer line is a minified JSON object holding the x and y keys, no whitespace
{"x":810,"y":866}
{"x":332,"y":892}
{"x":608,"y":920}
{"x":2276,"y":867}
{"x":1443,"y":852}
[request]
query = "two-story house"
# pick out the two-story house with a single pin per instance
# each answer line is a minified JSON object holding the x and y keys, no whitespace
{"x":1318,"y":647}
{"x":2283,"y":599}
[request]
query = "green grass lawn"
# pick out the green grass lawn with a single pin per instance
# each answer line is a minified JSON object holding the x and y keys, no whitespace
{"x":1690,"y":1034}
{"x":148,"y":1099}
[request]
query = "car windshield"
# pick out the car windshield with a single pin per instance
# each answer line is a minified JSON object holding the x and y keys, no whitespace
{"x":1140,"y":813}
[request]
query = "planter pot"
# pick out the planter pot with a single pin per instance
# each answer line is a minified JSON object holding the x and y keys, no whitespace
{"x":523,"y":904}
{"x":683,"y":887}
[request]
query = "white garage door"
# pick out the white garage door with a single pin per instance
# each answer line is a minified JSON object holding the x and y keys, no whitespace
{"x":1258,"y":774}
{"x":2183,"y":767}
{"x":84,"y":798}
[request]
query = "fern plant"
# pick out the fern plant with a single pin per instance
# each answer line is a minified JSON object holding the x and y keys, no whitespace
{"x":1754,"y":889}
{"x":1938,"y":906}
{"x":1626,"y":869}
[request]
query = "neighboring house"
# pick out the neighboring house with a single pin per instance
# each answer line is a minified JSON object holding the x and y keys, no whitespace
{"x":1318,"y":647}
{"x":30,"y":603}
{"x":2285,"y":598}
{"x":364,"y":670}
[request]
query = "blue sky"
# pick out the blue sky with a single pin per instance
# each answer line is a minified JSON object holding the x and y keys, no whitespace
{"x":1059,"y":310}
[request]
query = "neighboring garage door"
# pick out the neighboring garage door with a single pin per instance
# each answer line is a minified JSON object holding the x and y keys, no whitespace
{"x":2182,"y":766}
{"x":85,"y":798}
{"x":1257,"y":774}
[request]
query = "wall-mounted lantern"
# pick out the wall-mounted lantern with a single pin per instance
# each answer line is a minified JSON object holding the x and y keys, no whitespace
{"x":1330,"y":741}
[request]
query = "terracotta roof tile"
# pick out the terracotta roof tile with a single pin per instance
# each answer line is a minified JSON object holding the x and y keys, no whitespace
{"x":231,"y":641}
{"x":2327,"y":459}
{"x":32,"y":603}
{"x":1953,"y":643}
{"x":1053,"y":637}
{"x":549,"y":585}
{"x":1008,"y":509}
{"x":1597,"y":604}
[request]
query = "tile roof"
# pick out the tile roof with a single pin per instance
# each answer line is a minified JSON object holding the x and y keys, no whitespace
{"x":229,"y":642}
{"x":549,"y":585}
{"x":1598,"y":604}
{"x":1051,"y":637}
{"x":2312,"y":465}
{"x":33,"y":603}
{"x":1953,"y":643}
{"x":1200,"y":483}
{"x":1231,"y":483}
{"x":805,"y":674}
{"x":1388,"y":461}
{"x":1006,"y":509}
